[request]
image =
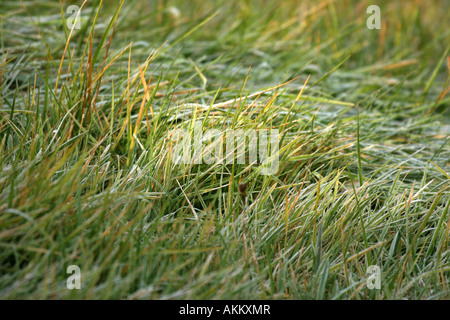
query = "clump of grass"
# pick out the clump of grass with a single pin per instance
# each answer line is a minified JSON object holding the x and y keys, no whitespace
{"x":87,"y":177}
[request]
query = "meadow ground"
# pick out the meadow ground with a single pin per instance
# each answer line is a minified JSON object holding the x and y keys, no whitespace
{"x":87,"y":175}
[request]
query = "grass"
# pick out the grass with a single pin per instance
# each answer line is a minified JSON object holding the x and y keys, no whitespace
{"x":87,"y":178}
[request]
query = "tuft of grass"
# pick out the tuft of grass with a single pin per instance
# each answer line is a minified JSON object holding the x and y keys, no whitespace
{"x":87,"y":176}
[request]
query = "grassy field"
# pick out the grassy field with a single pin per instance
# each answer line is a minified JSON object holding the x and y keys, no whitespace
{"x":87,"y":176}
